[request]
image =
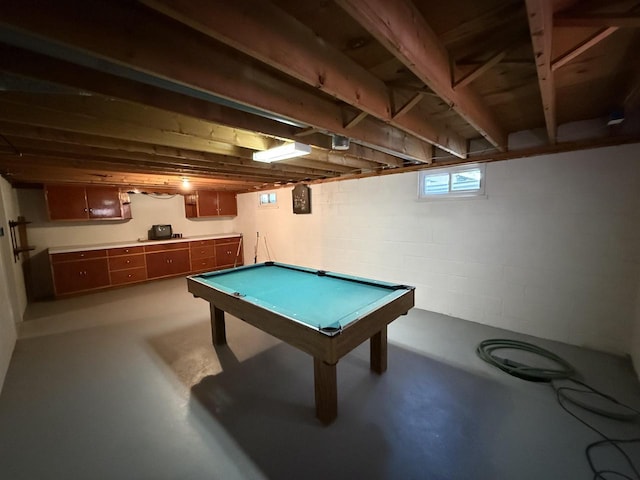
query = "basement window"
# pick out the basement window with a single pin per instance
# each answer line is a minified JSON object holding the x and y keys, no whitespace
{"x":452,"y":182}
{"x":268,"y":200}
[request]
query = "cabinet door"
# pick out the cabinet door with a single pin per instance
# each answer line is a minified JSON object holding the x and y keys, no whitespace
{"x":207,"y":203}
{"x":227,"y":204}
{"x":104,"y":202}
{"x":226,"y":255}
{"x":66,"y":202}
{"x":163,"y":264}
{"x":70,"y":277}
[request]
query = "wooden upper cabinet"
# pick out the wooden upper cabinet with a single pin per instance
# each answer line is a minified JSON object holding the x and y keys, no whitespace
{"x":208,"y":203}
{"x":227,"y":204}
{"x":104,"y":202}
{"x":66,"y":203}
{"x":84,"y":203}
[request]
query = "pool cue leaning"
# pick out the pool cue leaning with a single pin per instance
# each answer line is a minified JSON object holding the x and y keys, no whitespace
{"x":235,"y":261}
{"x":255,"y":252}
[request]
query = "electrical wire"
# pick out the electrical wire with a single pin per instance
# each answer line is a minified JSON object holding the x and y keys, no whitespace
{"x":566,"y":372}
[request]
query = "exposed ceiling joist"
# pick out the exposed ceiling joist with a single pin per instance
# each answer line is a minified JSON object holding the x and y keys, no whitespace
{"x":540,"y":16}
{"x":622,"y":20}
{"x":479,"y":70}
{"x":171,"y":57}
{"x":400,"y":27}
{"x":582,"y":47}
{"x":272,"y":36}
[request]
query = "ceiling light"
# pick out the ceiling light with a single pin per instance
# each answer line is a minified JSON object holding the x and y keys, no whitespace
{"x":186,"y":184}
{"x":288,"y":150}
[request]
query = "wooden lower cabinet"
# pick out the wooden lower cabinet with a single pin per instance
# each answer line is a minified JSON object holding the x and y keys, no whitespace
{"x":82,"y":271}
{"x":168,"y":263}
{"x":228,"y":253}
{"x":127,"y":265}
{"x":71,"y":275}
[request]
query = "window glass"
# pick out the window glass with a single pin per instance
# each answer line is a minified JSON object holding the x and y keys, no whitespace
{"x":466,"y":180}
{"x":460,"y":181}
{"x":436,"y":184}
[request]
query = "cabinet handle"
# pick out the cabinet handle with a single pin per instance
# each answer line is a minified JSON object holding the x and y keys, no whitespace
{"x":128,"y":261}
{"x":130,"y":275}
{"x":126,"y":250}
{"x":85,"y":210}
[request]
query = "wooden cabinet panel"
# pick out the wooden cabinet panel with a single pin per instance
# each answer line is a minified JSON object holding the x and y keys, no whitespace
{"x":164,"y":264}
{"x":114,"y":252}
{"x":126,"y":261}
{"x":66,"y":202}
{"x":203,"y":264}
{"x":77,"y":276}
{"x":131,"y":275}
{"x":74,"y":256}
{"x":226,"y":255}
{"x":208,"y":203}
{"x":166,"y":246}
{"x":227,"y":204}
{"x":201,"y":243}
{"x":104,"y":202}
{"x":92,"y":269}
{"x":84,"y":202}
{"x":202,"y":252}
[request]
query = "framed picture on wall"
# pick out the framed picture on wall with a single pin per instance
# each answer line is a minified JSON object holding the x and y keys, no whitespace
{"x":301,"y":196}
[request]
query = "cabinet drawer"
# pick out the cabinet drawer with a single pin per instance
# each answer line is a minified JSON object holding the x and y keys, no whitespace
{"x":166,"y":246}
{"x":201,"y":252}
{"x":128,"y":276}
{"x":115,"y":252}
{"x":203,"y":264}
{"x":201,"y":243}
{"x":74,"y":256}
{"x":224,"y":241}
{"x":126,"y":261}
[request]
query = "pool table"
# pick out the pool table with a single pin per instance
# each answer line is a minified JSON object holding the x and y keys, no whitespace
{"x":324,"y":314}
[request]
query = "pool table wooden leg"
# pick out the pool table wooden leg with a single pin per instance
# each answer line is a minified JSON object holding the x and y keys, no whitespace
{"x":379,"y":351}
{"x":326,"y":391}
{"x":218,"y":329}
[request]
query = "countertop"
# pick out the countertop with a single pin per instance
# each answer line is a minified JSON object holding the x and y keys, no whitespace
{"x":137,"y":243}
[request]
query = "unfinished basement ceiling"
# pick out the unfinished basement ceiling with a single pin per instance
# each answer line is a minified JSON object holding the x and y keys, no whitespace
{"x":146,"y":93}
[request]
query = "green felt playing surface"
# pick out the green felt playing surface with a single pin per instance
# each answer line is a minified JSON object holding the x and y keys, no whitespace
{"x":329,"y":301}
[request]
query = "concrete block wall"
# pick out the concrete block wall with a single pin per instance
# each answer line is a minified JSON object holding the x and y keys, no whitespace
{"x":12,"y":296}
{"x":551,"y":251}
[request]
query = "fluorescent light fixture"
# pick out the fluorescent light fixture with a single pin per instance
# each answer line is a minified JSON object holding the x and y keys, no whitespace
{"x":288,"y":150}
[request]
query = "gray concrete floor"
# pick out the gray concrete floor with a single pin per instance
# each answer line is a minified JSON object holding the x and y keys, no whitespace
{"x":125,"y":384}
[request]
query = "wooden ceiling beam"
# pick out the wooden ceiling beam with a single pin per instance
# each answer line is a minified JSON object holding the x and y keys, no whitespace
{"x":582,"y":47}
{"x":28,"y":169}
{"x":105,"y":144}
{"x":16,"y":109}
{"x":120,"y":160}
{"x":621,"y":20}
{"x":400,"y":27}
{"x":23,"y":62}
{"x":121,"y":39}
{"x":480,"y":70}
{"x":276,"y":38}
{"x":540,"y":16}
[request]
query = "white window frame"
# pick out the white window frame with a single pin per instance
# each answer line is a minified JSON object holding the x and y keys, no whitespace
{"x":270,"y":204}
{"x":479,"y":193}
